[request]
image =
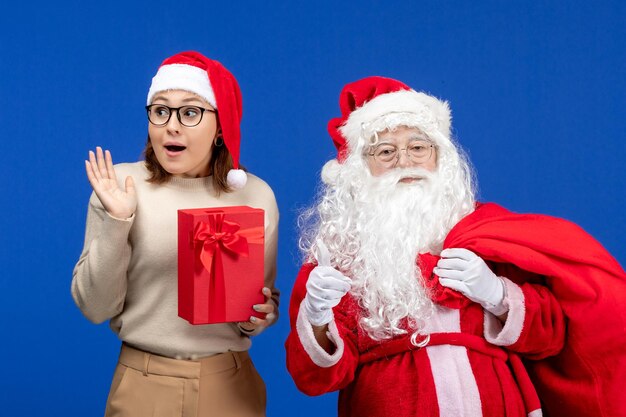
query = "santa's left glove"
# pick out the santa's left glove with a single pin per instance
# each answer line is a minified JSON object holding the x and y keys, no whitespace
{"x":324,"y":289}
{"x":464,"y":271}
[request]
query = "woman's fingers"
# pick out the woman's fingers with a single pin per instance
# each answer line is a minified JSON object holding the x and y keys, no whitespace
{"x":101,"y":163}
{"x":264,"y":308}
{"x":94,"y":166}
{"x":267,"y":293}
{"x":129,"y":185}
{"x":257,"y":322}
{"x":100,"y":169}
{"x":109,"y":166}
{"x":268,"y":308}
{"x":90,"y":175}
{"x":118,"y":202}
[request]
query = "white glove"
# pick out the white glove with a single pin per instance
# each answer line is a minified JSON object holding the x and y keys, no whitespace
{"x":464,"y":271}
{"x":324,"y":289}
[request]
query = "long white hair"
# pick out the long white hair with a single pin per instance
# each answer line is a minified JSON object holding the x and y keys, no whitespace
{"x":374,"y":227}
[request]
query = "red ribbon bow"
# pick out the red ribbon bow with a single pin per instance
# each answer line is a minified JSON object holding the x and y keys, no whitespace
{"x":217,"y":235}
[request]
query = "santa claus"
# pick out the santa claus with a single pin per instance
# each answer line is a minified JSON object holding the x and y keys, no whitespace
{"x":417,"y":300}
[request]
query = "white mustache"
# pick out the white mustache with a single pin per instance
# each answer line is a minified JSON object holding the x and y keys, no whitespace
{"x":394,"y":176}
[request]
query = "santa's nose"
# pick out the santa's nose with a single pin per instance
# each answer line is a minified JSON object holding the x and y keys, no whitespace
{"x":403,"y":159}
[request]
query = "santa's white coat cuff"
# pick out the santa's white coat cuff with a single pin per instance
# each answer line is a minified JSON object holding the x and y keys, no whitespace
{"x":317,"y":354}
{"x":507,"y":333}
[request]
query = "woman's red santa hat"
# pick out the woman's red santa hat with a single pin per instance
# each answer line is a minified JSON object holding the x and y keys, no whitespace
{"x":193,"y":72}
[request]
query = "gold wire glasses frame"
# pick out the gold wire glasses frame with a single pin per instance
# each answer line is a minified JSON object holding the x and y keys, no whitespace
{"x":190,"y":116}
{"x":388,"y":155}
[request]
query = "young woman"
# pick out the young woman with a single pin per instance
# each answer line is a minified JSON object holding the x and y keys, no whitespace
{"x":127,"y":271}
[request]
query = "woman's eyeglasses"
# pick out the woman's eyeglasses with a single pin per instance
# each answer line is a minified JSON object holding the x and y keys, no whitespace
{"x":190,"y":116}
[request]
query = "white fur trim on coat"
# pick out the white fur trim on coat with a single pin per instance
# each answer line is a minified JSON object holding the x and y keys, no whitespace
{"x":430,"y":113}
{"x":509,"y":333}
{"x":318,"y":355}
{"x":455,"y":383}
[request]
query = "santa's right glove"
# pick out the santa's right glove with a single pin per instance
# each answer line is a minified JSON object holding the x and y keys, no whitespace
{"x":324,"y":289}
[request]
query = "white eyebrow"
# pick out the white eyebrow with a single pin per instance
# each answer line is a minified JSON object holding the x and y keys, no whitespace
{"x":411,"y":139}
{"x":418,"y":137}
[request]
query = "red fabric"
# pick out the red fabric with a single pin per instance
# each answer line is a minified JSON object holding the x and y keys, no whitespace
{"x":220,"y":263}
{"x":438,"y":293}
{"x":586,"y":378}
{"x":384,"y":378}
{"x":552,"y":257}
{"x":353,"y":96}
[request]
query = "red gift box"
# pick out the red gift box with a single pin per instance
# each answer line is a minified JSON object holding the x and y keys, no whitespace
{"x":220,"y":264}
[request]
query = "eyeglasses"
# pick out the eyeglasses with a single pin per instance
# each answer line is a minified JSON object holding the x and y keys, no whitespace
{"x":387,"y":155}
{"x":190,"y":116}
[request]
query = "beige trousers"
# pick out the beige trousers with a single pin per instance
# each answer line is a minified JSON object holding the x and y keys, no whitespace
{"x":148,"y":385}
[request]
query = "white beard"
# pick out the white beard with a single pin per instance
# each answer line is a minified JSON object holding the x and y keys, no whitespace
{"x":374,"y":228}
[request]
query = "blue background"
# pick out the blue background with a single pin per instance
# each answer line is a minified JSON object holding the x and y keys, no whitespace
{"x":537,"y":91}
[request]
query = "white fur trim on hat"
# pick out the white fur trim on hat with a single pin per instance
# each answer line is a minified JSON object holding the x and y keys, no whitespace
{"x":236,"y":178}
{"x":182,"y":77}
{"x":424,"y":112}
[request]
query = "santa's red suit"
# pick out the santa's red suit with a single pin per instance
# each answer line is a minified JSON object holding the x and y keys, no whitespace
{"x":565,"y":328}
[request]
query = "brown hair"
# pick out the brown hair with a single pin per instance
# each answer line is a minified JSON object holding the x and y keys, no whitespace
{"x":221,"y":162}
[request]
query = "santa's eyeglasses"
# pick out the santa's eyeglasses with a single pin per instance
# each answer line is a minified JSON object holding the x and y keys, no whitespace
{"x":388,"y":155}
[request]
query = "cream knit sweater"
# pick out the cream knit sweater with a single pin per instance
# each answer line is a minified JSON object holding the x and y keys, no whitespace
{"x":127,"y":271}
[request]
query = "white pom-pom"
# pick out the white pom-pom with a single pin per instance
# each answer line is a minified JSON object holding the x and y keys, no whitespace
{"x":236,"y":178}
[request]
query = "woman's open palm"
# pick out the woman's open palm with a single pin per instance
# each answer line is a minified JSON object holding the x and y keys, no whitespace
{"x":119,"y":203}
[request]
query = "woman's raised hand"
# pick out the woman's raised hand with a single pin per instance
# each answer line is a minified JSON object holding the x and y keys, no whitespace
{"x":117,"y":202}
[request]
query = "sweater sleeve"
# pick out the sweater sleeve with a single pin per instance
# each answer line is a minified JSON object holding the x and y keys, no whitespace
{"x":315,"y":371}
{"x":99,"y":280}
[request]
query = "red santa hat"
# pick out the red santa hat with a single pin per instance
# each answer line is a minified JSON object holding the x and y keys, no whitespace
{"x":372,"y":104}
{"x":193,"y":72}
